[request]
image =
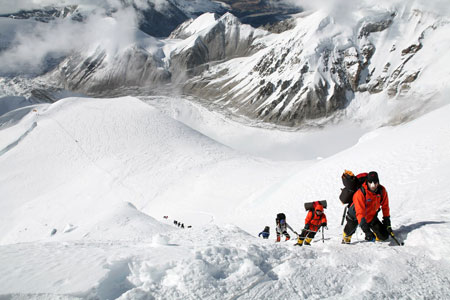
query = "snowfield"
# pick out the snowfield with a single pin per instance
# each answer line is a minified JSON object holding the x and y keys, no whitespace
{"x":85,"y":183}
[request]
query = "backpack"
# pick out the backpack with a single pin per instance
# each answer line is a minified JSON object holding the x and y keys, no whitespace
{"x":312,"y":205}
{"x":351,"y":184}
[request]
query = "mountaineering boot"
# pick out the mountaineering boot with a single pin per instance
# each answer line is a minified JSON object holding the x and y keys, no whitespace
{"x":287,"y":238}
{"x":376,"y":237}
{"x":308,"y":241}
{"x":299,"y":242}
{"x":346,"y":238}
{"x":278,"y":239}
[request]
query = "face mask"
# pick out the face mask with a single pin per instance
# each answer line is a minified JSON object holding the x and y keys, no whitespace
{"x":372,"y":185}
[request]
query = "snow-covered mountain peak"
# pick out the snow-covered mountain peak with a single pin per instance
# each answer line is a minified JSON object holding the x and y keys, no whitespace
{"x":229,"y":19}
{"x":193,"y":26}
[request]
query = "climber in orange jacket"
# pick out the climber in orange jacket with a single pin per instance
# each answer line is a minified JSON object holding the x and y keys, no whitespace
{"x":367,"y":202}
{"x":314,"y":220}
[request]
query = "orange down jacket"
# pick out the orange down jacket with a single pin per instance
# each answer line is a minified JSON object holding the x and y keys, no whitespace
{"x":368,"y":205}
{"x":314,"y":220}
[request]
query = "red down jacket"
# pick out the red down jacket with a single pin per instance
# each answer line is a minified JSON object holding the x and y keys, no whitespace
{"x":314,"y":219}
{"x":368,"y":205}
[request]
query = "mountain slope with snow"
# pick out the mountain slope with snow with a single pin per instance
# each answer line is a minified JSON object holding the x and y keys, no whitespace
{"x":318,"y":67}
{"x":90,"y":155}
{"x":104,"y":172}
{"x":314,"y":71}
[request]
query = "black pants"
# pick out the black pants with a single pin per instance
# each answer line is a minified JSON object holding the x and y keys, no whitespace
{"x":285,"y":233}
{"x":375,"y":225}
{"x":307,"y":234}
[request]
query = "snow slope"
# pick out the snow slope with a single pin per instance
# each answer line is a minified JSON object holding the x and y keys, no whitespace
{"x":103,"y":172}
{"x":273,"y":142}
{"x":105,"y":160}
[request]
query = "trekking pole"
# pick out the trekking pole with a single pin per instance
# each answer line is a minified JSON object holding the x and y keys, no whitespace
{"x":400,"y":244}
{"x":323,"y":238}
{"x":343,"y":216}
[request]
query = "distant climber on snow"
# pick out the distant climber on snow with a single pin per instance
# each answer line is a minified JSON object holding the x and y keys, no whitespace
{"x":367,"y":202}
{"x":265,"y":233}
{"x":281,"y":227}
{"x":314,"y":220}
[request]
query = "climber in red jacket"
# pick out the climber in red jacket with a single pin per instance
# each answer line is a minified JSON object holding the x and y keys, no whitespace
{"x":367,"y":202}
{"x":314,"y":220}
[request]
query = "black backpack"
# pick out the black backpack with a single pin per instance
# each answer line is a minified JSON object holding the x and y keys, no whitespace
{"x":351,"y":184}
{"x":312,"y":205}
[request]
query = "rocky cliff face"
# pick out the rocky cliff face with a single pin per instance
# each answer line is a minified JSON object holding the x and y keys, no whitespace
{"x":138,"y":66}
{"x":317,"y":68}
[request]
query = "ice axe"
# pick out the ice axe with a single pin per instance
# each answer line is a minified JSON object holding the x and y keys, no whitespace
{"x":343,"y":216}
{"x":323,"y":238}
{"x":395,"y":239}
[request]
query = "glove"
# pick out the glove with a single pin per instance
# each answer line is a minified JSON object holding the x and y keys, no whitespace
{"x":370,"y":236}
{"x":364,"y":226}
{"x":389,"y":230}
{"x":387,"y":224}
{"x":324,"y":225}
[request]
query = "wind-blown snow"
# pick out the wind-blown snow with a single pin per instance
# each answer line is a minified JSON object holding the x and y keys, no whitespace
{"x":85,"y":184}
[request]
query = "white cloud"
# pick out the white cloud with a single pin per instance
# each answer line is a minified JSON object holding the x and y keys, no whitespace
{"x":30,"y":48}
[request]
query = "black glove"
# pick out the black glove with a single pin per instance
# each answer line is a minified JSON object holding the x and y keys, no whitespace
{"x":387,"y":224}
{"x":365,"y":226}
{"x":370,"y":236}
{"x":324,"y":224}
{"x":307,"y":226}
